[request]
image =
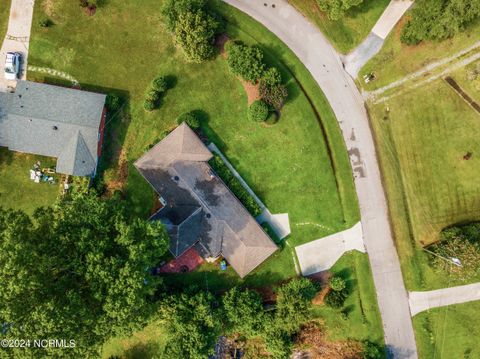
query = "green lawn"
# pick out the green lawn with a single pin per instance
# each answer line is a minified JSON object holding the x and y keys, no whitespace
{"x":291,"y":166}
{"x":448,"y":332}
{"x":471,"y":87}
{"x":4,"y":13}
{"x":147,"y":343}
{"x":396,"y":60}
{"x":349,"y":32}
{"x":364,"y":321}
{"x":17,"y":191}
{"x":421,"y":142}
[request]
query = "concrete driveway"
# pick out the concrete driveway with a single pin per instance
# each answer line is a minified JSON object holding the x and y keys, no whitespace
{"x":355,"y":60}
{"x":316,"y":53}
{"x":420,"y":301}
{"x":322,"y":254}
{"x":17,"y":38}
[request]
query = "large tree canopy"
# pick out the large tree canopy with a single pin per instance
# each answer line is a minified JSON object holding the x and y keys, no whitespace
{"x":439,"y":19}
{"x":78,"y":270}
{"x":194,"y":27}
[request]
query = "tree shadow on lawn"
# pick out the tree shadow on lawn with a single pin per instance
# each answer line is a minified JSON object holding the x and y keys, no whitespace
{"x":6,"y":156}
{"x":150,"y":349}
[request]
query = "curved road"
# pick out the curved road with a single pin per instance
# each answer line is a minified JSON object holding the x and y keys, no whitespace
{"x":316,"y":53}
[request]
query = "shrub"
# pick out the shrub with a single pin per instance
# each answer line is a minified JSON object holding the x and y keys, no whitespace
{"x":172,"y":9}
{"x":336,"y":9}
{"x":159,"y":84}
{"x":274,"y":95}
{"x":46,"y":22}
{"x":190,"y":119}
{"x":272,"y":77}
{"x":245,"y":61}
{"x":112,"y":102}
{"x":149,"y":104}
{"x":235,"y":186}
{"x":337,"y":284}
{"x":258,"y":111}
{"x":335,"y":299}
{"x":372,"y":350}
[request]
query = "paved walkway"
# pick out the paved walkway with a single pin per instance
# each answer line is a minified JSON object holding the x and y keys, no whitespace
{"x":316,"y":53}
{"x":321,"y":255}
{"x":420,"y":301}
{"x":18,"y":37}
{"x":374,"y":41}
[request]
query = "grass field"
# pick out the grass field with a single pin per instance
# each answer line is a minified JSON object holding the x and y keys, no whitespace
{"x":396,"y":60}
{"x":421,"y":143}
{"x":471,"y":87}
{"x":17,"y":191}
{"x":144,"y":344}
{"x":4,"y":13}
{"x":347,"y":33}
{"x":448,"y":332}
{"x":364,"y":322}
{"x":290,"y":165}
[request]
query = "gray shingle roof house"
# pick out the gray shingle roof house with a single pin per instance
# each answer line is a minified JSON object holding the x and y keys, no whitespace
{"x":200,"y":210}
{"x":56,"y":122}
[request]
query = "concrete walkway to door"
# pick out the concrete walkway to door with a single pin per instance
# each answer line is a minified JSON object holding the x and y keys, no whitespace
{"x":17,"y":38}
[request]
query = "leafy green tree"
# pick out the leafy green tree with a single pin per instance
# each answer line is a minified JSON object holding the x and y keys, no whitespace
{"x":245,"y":61}
{"x":193,"y":324}
{"x":243,"y":311}
{"x":294,"y":299}
{"x":172,"y":9}
{"x":258,"y":111}
{"x":336,"y":9}
{"x":160,"y":84}
{"x":439,"y":19}
{"x":79,"y":270}
{"x":195,"y":32}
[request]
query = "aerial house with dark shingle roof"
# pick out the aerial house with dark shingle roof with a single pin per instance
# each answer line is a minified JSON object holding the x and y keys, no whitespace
{"x":200,"y":211}
{"x":56,"y":122}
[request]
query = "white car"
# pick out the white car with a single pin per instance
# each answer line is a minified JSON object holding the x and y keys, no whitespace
{"x":12,"y":65}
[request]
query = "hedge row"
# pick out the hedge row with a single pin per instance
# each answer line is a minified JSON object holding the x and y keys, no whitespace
{"x":234,"y":184}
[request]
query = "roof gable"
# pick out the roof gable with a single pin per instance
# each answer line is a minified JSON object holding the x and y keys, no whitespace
{"x":76,"y":158}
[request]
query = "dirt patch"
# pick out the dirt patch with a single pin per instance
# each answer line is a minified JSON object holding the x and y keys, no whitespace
{"x":48,"y":7}
{"x":314,"y":344}
{"x":253,"y":92}
{"x":220,"y":42}
{"x":322,"y":279}
{"x":122,"y":173}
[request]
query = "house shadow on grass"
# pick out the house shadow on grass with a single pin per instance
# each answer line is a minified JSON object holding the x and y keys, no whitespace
{"x":149,"y":349}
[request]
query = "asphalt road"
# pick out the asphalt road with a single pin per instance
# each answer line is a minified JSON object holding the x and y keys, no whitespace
{"x":317,"y":54}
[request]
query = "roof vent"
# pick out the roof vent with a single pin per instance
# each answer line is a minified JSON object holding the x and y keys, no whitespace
{"x":19,"y":96}
{"x":176,"y":178}
{"x":54,"y":128}
{"x":208,"y":215}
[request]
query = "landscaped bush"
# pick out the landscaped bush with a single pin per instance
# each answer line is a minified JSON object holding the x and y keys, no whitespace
{"x":372,"y":351}
{"x":338,"y":293}
{"x":46,"y":22}
{"x":336,"y":9}
{"x":245,"y":61}
{"x":193,"y":26}
{"x":274,"y":95}
{"x":160,"y":84}
{"x":258,"y":111}
{"x":190,"y":119}
{"x":113,"y":102}
{"x":235,"y":186}
{"x":337,"y":283}
{"x":154,"y":93}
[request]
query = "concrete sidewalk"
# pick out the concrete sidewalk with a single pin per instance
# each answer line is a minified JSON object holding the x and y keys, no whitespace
{"x":17,"y":38}
{"x":322,"y":254}
{"x":420,"y":301}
